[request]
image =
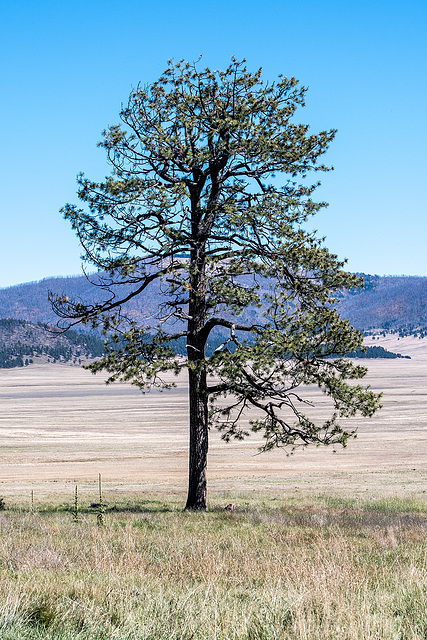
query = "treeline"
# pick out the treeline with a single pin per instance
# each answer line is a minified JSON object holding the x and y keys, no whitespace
{"x":375,"y":352}
{"x":416,"y":332}
{"x":91,"y":344}
{"x":179,"y":348}
{"x":22,"y":342}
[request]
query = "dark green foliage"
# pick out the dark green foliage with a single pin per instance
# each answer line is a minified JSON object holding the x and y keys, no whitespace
{"x":375,"y":352}
{"x":22,"y":341}
{"x":41,"y":615}
{"x":10,"y":323}
{"x":207,"y":201}
{"x":91,"y":344}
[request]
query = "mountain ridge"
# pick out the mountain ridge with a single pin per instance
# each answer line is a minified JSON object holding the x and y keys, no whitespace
{"x":396,"y":304}
{"x":23,"y":343}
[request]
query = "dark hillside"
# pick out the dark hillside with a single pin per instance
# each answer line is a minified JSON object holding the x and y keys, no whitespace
{"x":29,"y":301}
{"x":23,"y":342}
{"x":390,"y":303}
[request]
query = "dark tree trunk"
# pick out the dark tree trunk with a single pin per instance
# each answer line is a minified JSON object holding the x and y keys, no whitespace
{"x":198,"y":449}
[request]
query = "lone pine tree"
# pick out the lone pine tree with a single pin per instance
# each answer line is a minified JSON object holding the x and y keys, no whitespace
{"x":208,"y":197}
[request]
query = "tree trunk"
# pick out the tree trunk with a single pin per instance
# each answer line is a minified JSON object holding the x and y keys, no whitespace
{"x":198,"y":449}
{"x":196,"y":342}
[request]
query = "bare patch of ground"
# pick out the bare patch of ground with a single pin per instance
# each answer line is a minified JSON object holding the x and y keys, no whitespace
{"x":60,"y":425}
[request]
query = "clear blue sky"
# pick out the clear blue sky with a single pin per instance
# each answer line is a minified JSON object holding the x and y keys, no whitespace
{"x":66,"y":67}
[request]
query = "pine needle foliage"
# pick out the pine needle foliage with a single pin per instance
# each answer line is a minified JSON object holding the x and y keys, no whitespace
{"x":209,"y":195}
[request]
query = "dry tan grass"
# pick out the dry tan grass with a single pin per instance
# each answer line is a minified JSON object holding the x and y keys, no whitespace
{"x":282,"y":567}
{"x":60,"y":425}
{"x":273,"y":570}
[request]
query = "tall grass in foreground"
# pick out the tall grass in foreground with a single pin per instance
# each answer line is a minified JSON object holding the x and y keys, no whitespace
{"x":272,"y":570}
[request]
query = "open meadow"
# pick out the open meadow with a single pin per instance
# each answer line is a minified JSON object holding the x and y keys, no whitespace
{"x":61,"y":425}
{"x":321,"y":545}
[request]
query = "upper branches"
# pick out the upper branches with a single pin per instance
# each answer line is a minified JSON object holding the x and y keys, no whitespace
{"x":206,"y":204}
{"x":193,"y":162}
{"x":191,"y":124}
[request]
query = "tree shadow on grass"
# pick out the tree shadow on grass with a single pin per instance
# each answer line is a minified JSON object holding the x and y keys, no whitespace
{"x":144,"y":507}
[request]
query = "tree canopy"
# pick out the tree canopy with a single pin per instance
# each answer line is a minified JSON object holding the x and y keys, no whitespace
{"x":208,"y":197}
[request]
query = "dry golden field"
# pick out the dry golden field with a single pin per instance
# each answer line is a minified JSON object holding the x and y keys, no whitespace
{"x":60,"y":425}
{"x":322,"y":545}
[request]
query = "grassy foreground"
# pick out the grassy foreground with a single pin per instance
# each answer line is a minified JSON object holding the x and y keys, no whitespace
{"x":275,"y":569}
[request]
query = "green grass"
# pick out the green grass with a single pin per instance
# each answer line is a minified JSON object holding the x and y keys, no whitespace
{"x":273,"y":569}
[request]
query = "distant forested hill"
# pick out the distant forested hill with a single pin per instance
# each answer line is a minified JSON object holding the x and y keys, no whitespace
{"x":395,"y":304}
{"x":390,"y":303}
{"x":23,"y":342}
{"x":29,"y":301}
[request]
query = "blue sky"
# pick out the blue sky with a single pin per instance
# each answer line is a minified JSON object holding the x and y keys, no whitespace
{"x":66,"y":67}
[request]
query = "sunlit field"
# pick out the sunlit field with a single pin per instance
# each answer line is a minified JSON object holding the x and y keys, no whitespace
{"x":60,"y":425}
{"x":320,"y":545}
{"x":271,"y":569}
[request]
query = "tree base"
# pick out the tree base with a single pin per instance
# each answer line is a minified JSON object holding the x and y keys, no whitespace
{"x":196,"y":507}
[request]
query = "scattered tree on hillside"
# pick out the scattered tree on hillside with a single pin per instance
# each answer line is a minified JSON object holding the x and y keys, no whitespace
{"x":204,"y":198}
{"x":21,"y":341}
